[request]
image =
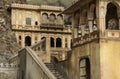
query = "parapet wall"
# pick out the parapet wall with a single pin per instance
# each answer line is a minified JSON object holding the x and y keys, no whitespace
{"x":8,"y":71}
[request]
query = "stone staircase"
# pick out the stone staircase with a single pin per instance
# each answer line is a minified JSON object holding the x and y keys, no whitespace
{"x":55,"y":72}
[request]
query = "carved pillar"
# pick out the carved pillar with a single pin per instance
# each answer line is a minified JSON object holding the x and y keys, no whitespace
{"x":23,"y":40}
{"x":82,"y":29}
{"x":54,"y":42}
{"x":33,"y":39}
{"x":90,"y":24}
{"x":63,"y":42}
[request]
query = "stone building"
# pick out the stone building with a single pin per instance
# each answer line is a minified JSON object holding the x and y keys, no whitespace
{"x":95,"y":48}
{"x":31,"y":23}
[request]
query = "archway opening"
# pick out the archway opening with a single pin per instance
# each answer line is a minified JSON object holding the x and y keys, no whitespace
{"x":112,"y":22}
{"x":84,"y":68}
{"x":27,"y":41}
{"x":58,"y":42}
{"x":45,"y":18}
{"x":52,"y":42}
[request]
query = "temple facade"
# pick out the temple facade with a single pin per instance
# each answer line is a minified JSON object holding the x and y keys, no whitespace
{"x":31,"y":23}
{"x":96,"y":39}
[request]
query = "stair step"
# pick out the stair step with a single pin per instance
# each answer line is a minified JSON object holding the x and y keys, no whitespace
{"x":52,"y":68}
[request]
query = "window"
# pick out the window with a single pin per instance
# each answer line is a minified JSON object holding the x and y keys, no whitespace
{"x":84,"y":68}
{"x":52,"y":19}
{"x":19,"y":37}
{"x":28,"y":21}
{"x":58,"y":42}
{"x":52,"y":42}
{"x":66,"y":43}
{"x":36,"y":23}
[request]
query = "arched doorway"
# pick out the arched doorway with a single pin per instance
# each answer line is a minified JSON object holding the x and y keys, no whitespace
{"x":112,"y":22}
{"x":51,"y":42}
{"x":27,"y":41}
{"x":84,"y":68}
{"x":58,"y":42}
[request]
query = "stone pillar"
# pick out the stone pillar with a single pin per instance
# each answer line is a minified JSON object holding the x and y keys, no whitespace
{"x":90,"y":24}
{"x":69,"y":42}
{"x":102,"y":13}
{"x":82,"y":29}
{"x":32,"y":39}
{"x":63,"y":42}
{"x":48,"y":53}
{"x":23,"y":40}
{"x":54,"y":42}
{"x":119,"y":23}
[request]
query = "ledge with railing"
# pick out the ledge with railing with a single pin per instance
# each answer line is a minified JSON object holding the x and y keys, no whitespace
{"x":86,"y":38}
{"x":54,"y":26}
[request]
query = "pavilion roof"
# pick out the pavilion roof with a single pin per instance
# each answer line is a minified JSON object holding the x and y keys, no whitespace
{"x":77,"y":5}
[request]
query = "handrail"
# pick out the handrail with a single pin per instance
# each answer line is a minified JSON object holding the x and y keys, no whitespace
{"x":40,"y":46}
{"x":40,"y":63}
{"x":36,"y":44}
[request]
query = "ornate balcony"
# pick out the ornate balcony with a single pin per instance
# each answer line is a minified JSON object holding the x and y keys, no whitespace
{"x":85,"y":39}
{"x":52,"y":26}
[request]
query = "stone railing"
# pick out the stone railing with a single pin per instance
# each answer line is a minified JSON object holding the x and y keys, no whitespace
{"x":86,"y":38}
{"x":7,"y":65}
{"x":52,"y":7}
{"x":40,"y":46}
{"x":31,"y":67}
{"x":48,"y":25}
{"x":14,"y":59}
{"x":9,"y":71}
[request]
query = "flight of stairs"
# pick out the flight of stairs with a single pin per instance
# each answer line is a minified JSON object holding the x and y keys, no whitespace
{"x":53,"y":69}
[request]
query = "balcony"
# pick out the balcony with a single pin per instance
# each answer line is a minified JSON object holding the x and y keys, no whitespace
{"x":52,"y":26}
{"x":85,"y":39}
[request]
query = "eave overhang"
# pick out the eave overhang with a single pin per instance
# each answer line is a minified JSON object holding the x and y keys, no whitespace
{"x":78,"y":5}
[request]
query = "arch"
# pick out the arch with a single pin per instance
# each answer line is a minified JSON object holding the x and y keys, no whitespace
{"x":51,"y":42}
{"x":112,"y":21}
{"x":84,"y":68}
{"x":27,"y":41}
{"x":60,"y":19}
{"x":43,"y":38}
{"x":44,"y":18}
{"x":52,"y":18}
{"x":58,"y":42}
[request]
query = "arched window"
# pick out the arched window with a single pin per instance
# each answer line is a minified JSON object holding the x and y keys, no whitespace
{"x":52,"y":19}
{"x":27,"y":41}
{"x":58,"y":42}
{"x":60,"y":20}
{"x":45,"y":18}
{"x":19,"y":37}
{"x":84,"y":68}
{"x":52,"y":42}
{"x":112,"y":17}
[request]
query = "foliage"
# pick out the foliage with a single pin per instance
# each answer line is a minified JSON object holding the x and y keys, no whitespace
{"x":64,"y":3}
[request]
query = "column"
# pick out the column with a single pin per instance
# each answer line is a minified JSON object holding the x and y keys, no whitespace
{"x":63,"y":41}
{"x":32,"y":38}
{"x":23,"y":40}
{"x":90,"y":24}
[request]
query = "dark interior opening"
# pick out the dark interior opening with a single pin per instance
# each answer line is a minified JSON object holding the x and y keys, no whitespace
{"x":85,"y":67}
{"x":58,"y":42}
{"x":112,"y":17}
{"x":27,"y":41}
{"x":52,"y":42}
